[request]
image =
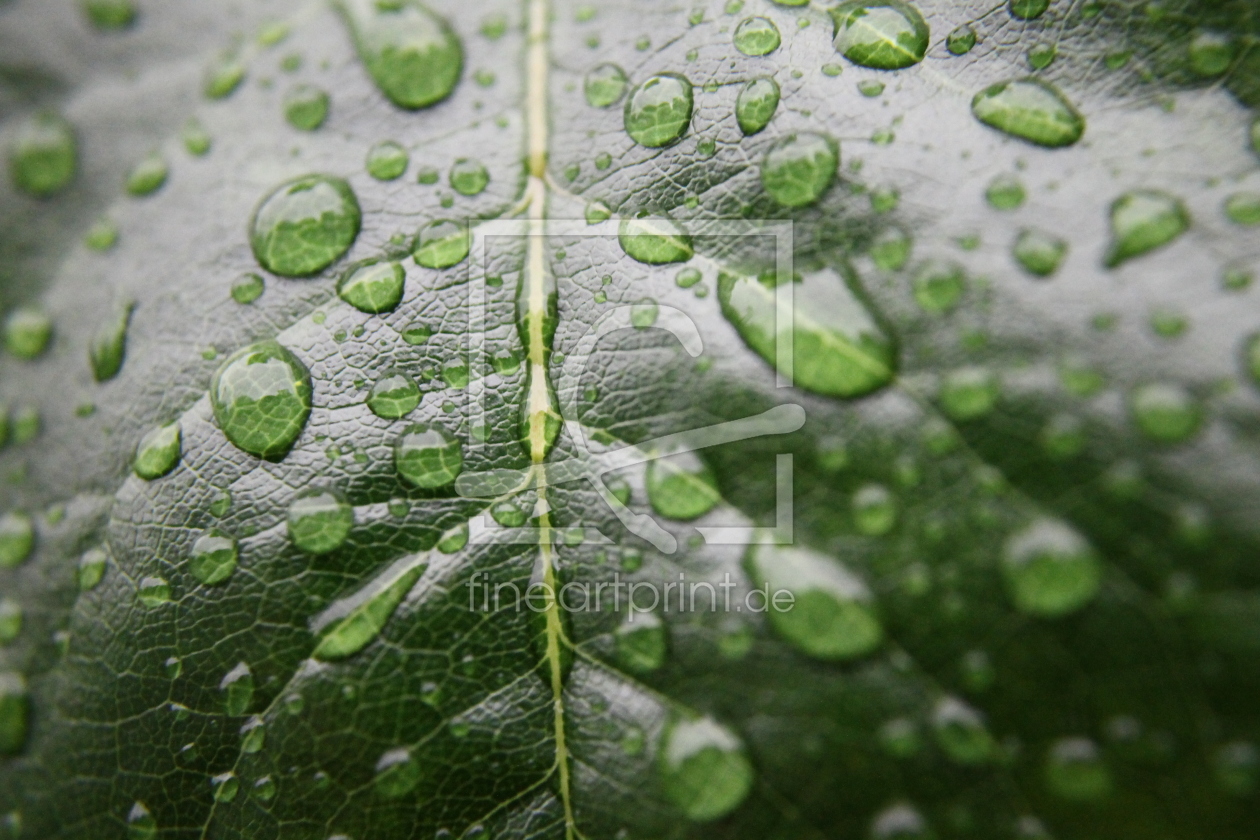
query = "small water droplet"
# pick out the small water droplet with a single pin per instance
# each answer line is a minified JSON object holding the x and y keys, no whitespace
{"x":196,"y":139}
{"x":874,"y":510}
{"x":225,"y":787}
{"x":387,"y":160}
{"x":27,"y":332}
{"x":1142,"y":221}
{"x":1075,"y":770}
{"x":870,"y":88}
{"x":596,"y":212}
{"x":412,"y":54}
{"x":1243,"y":208}
{"x":253,"y":735}
{"x":44,"y":156}
{"x":961,"y":40}
{"x":237,"y":686}
{"x":969,"y":393}
{"x":1031,"y":110}
{"x":223,"y":77}
{"x":641,"y":643}
{"x":939,"y":286}
{"x":1063,"y":437}
{"x":890,"y":250}
{"x":1028,"y":9}
{"x":659,"y":110}
{"x":960,"y":732}
{"x":643,"y":313}
{"x":148,"y":176}
{"x":154,"y":592}
{"x":108,"y":348}
{"x":1039,"y":253}
{"x":262,"y":398}
{"x":102,"y":235}
{"x":882,"y":34}
{"x":372,"y":286}
{"x":900,"y":737}
{"x":441,"y":243}
{"x":756,"y":36}
{"x":1165,"y":413}
{"x":174,"y":667}
{"x":428,"y":457}
{"x":394,"y":395}
{"x":91,"y":568}
{"x":755,"y":105}
{"x":248,"y":288}
{"x":900,"y":822}
{"x":1050,"y":569}
{"x":1042,"y":56}
{"x":319,"y":520}
{"x":397,"y":773}
{"x":10,"y":620}
{"x":655,"y":240}
{"x":213,"y":558}
{"x":141,"y":824}
{"x":799,"y":168}
{"x":1210,"y":53}
{"x":681,"y":486}
{"x":469,"y":176}
{"x":304,"y":225}
{"x":704,"y":769}
{"x":264,"y":789}
{"x":1005,"y":192}
{"x":604,"y":85}
{"x":1236,"y":766}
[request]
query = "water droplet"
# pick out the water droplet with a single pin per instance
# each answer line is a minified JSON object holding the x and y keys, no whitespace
{"x":305,"y":225}
{"x":1030,"y":109}
{"x":387,"y":160}
{"x":887,"y":35}
{"x":938,"y":286}
{"x":158,"y":452}
{"x":890,"y":250}
{"x":596,"y":212}
{"x":10,"y":620}
{"x":1063,"y":437}
{"x":756,"y":36}
{"x":1028,"y":9}
{"x":687,"y":277}
{"x":441,"y":243}
{"x":1075,"y":770}
{"x":213,"y":558}
{"x":832,"y":613}
{"x":507,"y":514}
{"x":148,"y":176}
{"x":306,"y":107}
{"x":900,"y":738}
{"x":17,"y":539}
{"x":412,"y":54}
{"x":154,"y":592}
{"x":394,"y":395}
{"x":110,"y":14}
{"x":253,"y":735}
{"x":1237,"y":767}
{"x":397,"y":773}
{"x":961,"y":40}
{"x":453,"y":540}
{"x":223,"y":77}
{"x":237,"y":686}
{"x":838,"y":348}
{"x":1243,"y":208}
{"x":108,"y":347}
{"x":870,"y":88}
{"x":643,"y":313}
{"x":874,"y":510}
{"x":1050,"y":569}
{"x":681,"y":486}
{"x":372,"y":286}
{"x":361,"y":625}
{"x":885,"y":199}
{"x":604,"y":85}
{"x":102,"y":235}
{"x":140,"y":823}
{"x":960,"y":732}
{"x":1142,"y":221}
{"x":969,"y":393}
{"x":225,"y":787}
{"x":196,"y":139}
{"x":799,"y":168}
{"x":44,"y":156}
{"x":1005,"y":192}
{"x":756,"y":104}
{"x":27,"y":332}
{"x":428,"y":457}
{"x":469,"y":177}
{"x":655,"y":240}
{"x":1210,"y":53}
{"x":262,"y":398}
{"x":319,"y":520}
{"x":456,"y":373}
{"x":1042,"y":56}
{"x":1039,"y":253}
{"x":248,"y":288}
{"x":704,"y":770}
{"x":900,"y":822}
{"x":641,"y":643}
{"x":1165,"y":413}
{"x":264,"y":789}
{"x":91,"y":568}
{"x":659,"y":110}
{"x":174,"y":667}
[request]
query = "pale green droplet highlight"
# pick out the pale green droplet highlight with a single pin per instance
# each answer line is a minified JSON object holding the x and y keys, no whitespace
{"x":214,"y":558}
{"x":108,"y":15}
{"x":1165,"y":413}
{"x":428,"y":457}
{"x":756,"y":36}
{"x":1075,"y":771}
{"x":1050,"y":569}
{"x":10,"y":620}
{"x":1031,"y":110}
{"x":361,"y":625}
{"x":223,"y":77}
{"x":158,"y":452}
{"x":799,"y":168}
{"x":412,"y":55}
{"x":262,"y":398}
{"x":1038,"y":252}
{"x":304,"y":225}
{"x":704,"y":769}
{"x":1142,"y":221}
{"x":17,"y":539}
{"x":1210,"y":53}
{"x":887,"y":35}
{"x":319,"y":520}
{"x":604,"y":85}
{"x":91,"y":569}
{"x":755,"y":105}
{"x":148,"y":176}
{"x":681,"y":486}
{"x":196,"y":139}
{"x":44,"y":155}
{"x":641,"y":643}
{"x":658,"y":111}
{"x":655,"y":241}
{"x":372,"y":286}
{"x":441,"y":243}
{"x":237,"y":687}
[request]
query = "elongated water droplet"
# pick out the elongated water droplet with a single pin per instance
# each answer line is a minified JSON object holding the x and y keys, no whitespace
{"x":17,"y":539}
{"x":1031,"y":110}
{"x":659,"y":110}
{"x":1243,"y":208}
{"x":394,"y":395}
{"x":604,"y":85}
{"x":237,"y":686}
{"x":372,"y":286}
{"x":27,"y":332}
{"x":110,"y":14}
{"x":441,"y":243}
{"x":939,"y":286}
{"x":596,"y":212}
{"x":1165,"y":413}
{"x":756,"y":104}
{"x":253,"y":735}
{"x":148,"y":176}
{"x":412,"y":54}
{"x":44,"y":156}
{"x":349,"y":635}
{"x":1142,"y":221}
{"x":831,"y":614}
{"x":262,"y":398}
{"x":838,"y":348}
{"x":223,"y":77}
{"x":681,"y":486}
{"x":108,"y":347}
{"x":756,"y":36}
{"x":154,"y":592}
{"x":1075,"y":770}
{"x":1039,"y":253}
{"x":306,"y":107}
{"x":961,"y":40}
{"x":799,"y":168}
{"x":655,"y":240}
{"x":91,"y":568}
{"x":158,"y":451}
{"x":140,"y":823}
{"x":969,"y":393}
{"x":10,"y":620}
{"x":641,"y":643}
{"x":427,"y":456}
{"x":887,"y":35}
{"x":1028,"y":9}
{"x":14,"y":713}
{"x":213,"y":558}
{"x":305,"y":225}
{"x":960,"y":732}
{"x":704,"y":769}
{"x":397,"y":773}
{"x":874,"y":510}
{"x":387,"y":160}
{"x":320,"y":520}
{"x":1050,"y":569}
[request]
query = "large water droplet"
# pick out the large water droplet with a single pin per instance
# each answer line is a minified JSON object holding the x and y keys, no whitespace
{"x":655,"y":240}
{"x":641,"y":643}
{"x":756,"y":36}
{"x":1030,"y":109}
{"x":1166,"y":413}
{"x":387,"y":160}
{"x":659,"y":110}
{"x":1142,"y":221}
{"x":140,"y":823}
{"x":394,"y":395}
{"x":349,"y":635}
{"x":372,"y":286}
{"x":681,"y":486}
{"x":320,"y":520}
{"x":27,"y":332}
{"x":969,"y":393}
{"x":799,"y":168}
{"x":838,"y":349}
{"x":237,"y":686}
{"x":1075,"y":770}
{"x":306,"y":107}
{"x":1040,"y":253}
{"x":441,"y":243}
{"x":428,"y":457}
{"x":412,"y":54}
{"x":604,"y":85}
{"x":213,"y":557}
{"x":960,"y":732}
{"x":756,"y":104}
{"x":305,"y":225}
{"x":1050,"y":569}
{"x":887,"y":35}
{"x":262,"y":399}
{"x":108,"y":348}
{"x":832,"y":615}
{"x":704,"y":770}
{"x":17,"y":539}
{"x":44,"y":156}
{"x":397,"y":773}
{"x":158,"y":452}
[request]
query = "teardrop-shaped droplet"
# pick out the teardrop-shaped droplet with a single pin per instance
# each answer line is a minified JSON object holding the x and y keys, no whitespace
{"x":681,"y":486}
{"x":756,"y":104}
{"x":874,"y":510}
{"x":1142,"y":221}
{"x":704,"y":768}
{"x":237,"y":686}
{"x":320,"y":520}
{"x":799,"y":168}
{"x":91,"y":568}
{"x":469,"y":176}
{"x":412,"y":54}
{"x":756,"y":36}
{"x":394,"y":395}
{"x":659,"y":110}
{"x":44,"y":156}
{"x":1165,"y":413}
{"x":882,"y":34}
{"x":604,"y":85}
{"x":262,"y":398}
{"x":141,"y":824}
{"x":213,"y":558}
{"x":27,"y":332}
{"x":655,"y":240}
{"x":960,"y":732}
{"x":831,"y":613}
{"x":306,"y":107}
{"x":1075,"y":770}
{"x":441,"y":243}
{"x":1050,"y":569}
{"x":158,"y":452}
{"x":838,"y":348}
{"x":17,"y":539}
{"x":350,"y":633}
{"x":427,"y":456}
{"x":1039,"y":253}
{"x":969,"y":393}
{"x":108,"y":348}
{"x":223,"y":76}
{"x":373,"y":286}
{"x":148,"y":176}
{"x":305,"y":225}
{"x":153,"y":591}
{"x":1031,"y":110}
{"x":397,"y":773}
{"x":641,"y":643}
